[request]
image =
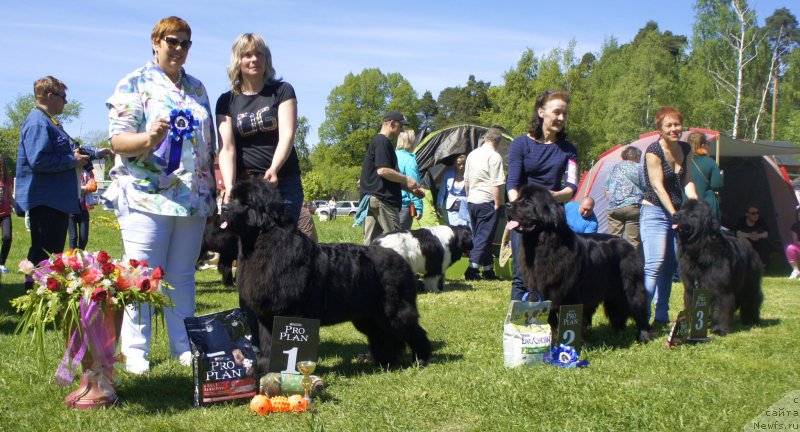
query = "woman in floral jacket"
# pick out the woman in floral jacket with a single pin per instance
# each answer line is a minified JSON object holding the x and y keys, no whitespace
{"x":163,"y":185}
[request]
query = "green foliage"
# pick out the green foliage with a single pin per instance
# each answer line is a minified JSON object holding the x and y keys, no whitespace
{"x":17,"y":111}
{"x":717,"y":386}
{"x":457,"y":105}
{"x":427,"y":108}
{"x":355,"y":110}
{"x":9,"y":142}
{"x":331,"y":176}
{"x":301,"y":145}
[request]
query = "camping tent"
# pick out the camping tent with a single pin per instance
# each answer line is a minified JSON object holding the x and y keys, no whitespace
{"x":751,"y":175}
{"x":438,"y":149}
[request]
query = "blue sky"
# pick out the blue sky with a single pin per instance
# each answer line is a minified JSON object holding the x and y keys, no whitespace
{"x":91,"y":45}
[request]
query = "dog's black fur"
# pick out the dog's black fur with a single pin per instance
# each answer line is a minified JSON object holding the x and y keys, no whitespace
{"x":223,"y":242}
{"x":569,"y":268}
{"x":283,"y":272}
{"x":430,"y":250}
{"x":720,"y":262}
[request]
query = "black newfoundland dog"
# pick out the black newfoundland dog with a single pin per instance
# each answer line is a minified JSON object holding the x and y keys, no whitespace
{"x":223,"y":242}
{"x":430,"y":250}
{"x":719,"y":262}
{"x":283,"y":272}
{"x":569,"y":268}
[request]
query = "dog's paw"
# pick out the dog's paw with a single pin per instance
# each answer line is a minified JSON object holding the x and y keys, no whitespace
{"x":365,"y":358}
{"x":719,"y":331}
{"x":424,"y":363}
{"x":645,"y":336}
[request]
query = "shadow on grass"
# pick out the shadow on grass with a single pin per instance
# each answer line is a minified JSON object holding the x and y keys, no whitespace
{"x":9,"y":317}
{"x":349,"y":364}
{"x":214,"y":287}
{"x":157,"y":393}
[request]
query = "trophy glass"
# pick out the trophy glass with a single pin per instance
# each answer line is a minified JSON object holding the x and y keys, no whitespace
{"x":307,"y":368}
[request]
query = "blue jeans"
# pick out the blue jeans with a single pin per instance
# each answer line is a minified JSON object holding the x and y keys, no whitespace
{"x":484,"y":220}
{"x":78,"y":229}
{"x":517,"y":283}
{"x":291,"y":189}
{"x":658,"y":243}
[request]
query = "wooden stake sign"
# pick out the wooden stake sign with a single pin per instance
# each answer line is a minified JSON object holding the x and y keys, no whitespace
{"x":680,"y":331}
{"x":570,"y":324}
{"x":293,"y":340}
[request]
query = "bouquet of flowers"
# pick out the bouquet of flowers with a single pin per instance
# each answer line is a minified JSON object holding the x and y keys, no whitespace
{"x":75,"y":291}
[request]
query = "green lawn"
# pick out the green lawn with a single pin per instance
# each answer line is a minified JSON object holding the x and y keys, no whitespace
{"x":715,"y":386}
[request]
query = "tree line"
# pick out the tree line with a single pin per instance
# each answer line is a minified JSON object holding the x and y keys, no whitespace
{"x":730,"y":75}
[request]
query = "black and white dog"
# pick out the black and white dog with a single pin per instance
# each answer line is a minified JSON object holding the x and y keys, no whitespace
{"x":430,"y":251}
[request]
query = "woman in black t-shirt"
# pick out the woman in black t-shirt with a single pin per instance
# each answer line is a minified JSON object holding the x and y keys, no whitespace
{"x":257,"y":121}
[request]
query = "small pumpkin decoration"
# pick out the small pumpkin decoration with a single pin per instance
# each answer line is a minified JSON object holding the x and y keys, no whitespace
{"x":297,"y":403}
{"x":261,"y":404}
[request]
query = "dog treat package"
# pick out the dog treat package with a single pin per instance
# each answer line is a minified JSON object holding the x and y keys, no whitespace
{"x":223,"y":358}
{"x":526,"y":333}
{"x":285,"y":384}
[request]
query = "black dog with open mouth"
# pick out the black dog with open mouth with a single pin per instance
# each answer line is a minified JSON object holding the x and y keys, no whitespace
{"x":283,"y":272}
{"x":569,"y":268}
{"x":720,"y":262}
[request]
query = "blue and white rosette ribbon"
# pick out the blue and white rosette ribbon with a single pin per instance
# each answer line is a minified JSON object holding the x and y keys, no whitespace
{"x":564,"y":356}
{"x":181,"y":126}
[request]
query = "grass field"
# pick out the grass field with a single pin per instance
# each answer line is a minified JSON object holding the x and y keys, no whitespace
{"x":715,"y":386}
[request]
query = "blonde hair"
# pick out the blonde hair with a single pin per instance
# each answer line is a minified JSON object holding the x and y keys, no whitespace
{"x":46,"y":85}
{"x":240,"y":46}
{"x":698,"y":142}
{"x":405,"y":141}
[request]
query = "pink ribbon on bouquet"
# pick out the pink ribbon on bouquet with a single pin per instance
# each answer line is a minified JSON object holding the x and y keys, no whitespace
{"x":93,"y":335}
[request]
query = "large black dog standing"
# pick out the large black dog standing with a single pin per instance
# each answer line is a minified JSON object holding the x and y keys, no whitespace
{"x":430,"y":250}
{"x":283,"y":272}
{"x":569,"y":268}
{"x":720,"y":262}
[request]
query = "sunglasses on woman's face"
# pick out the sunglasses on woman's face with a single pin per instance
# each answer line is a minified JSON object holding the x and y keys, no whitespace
{"x":173,"y":42}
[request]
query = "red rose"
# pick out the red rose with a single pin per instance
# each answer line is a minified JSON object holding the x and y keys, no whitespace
{"x":158,"y":273}
{"x":103,"y":257}
{"x":144,"y":285}
{"x":134,"y":263}
{"x":58,"y":266}
{"x":107,"y":268}
{"x":99,"y":294}
{"x":53,"y":284}
{"x":143,"y":263}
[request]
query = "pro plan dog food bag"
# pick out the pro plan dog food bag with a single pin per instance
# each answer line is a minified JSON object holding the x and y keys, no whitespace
{"x":526,"y":333}
{"x":223,"y":358}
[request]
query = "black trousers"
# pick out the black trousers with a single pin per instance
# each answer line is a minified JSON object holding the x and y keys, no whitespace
{"x":5,"y":225}
{"x":48,"y":232}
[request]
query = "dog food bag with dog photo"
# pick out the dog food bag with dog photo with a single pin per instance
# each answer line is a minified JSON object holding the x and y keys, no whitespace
{"x":223,"y":359}
{"x":526,"y":333}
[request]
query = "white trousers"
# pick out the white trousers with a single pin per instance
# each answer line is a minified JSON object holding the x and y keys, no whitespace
{"x":173,"y":243}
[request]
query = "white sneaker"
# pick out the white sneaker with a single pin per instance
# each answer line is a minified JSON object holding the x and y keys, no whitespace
{"x":795,"y":274}
{"x":136,"y":369}
{"x":3,"y":269}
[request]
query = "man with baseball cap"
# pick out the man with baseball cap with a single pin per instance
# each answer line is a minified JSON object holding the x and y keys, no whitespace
{"x":381,"y":180}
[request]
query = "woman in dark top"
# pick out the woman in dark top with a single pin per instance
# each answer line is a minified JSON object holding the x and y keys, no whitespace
{"x":666,"y":177}
{"x":256,"y":121}
{"x":545,"y":158}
